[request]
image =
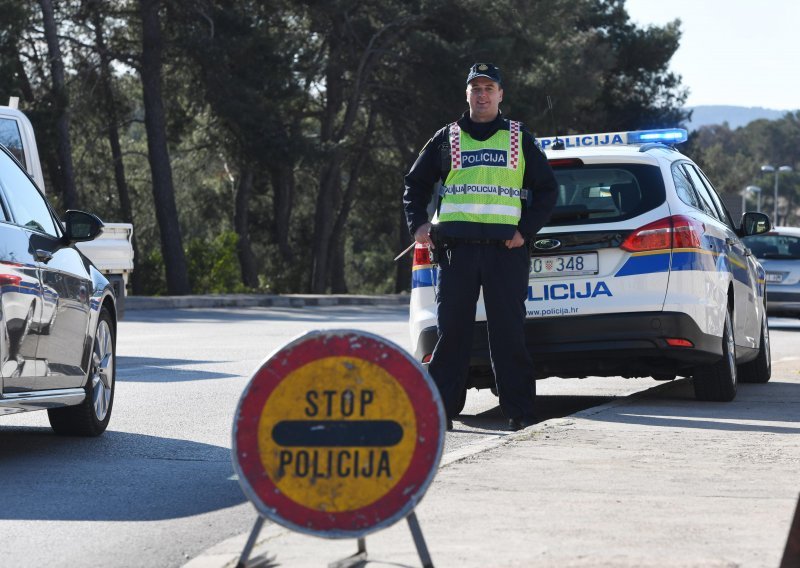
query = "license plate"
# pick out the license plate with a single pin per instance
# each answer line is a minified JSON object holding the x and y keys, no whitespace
{"x":774,"y":277}
{"x":564,"y":265}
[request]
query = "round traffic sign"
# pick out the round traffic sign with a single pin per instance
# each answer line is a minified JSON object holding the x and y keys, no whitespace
{"x":338,"y":434}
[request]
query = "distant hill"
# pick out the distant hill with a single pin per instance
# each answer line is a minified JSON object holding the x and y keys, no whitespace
{"x":735,"y":116}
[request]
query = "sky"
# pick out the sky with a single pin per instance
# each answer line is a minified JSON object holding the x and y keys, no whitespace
{"x":732,"y":52}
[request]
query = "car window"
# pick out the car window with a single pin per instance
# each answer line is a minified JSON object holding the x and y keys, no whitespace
{"x":707,"y":204}
{"x":683,"y":187}
{"x":10,"y":138}
{"x":774,"y":246}
{"x":723,"y":211}
{"x":28,"y":206}
{"x":604,"y":193}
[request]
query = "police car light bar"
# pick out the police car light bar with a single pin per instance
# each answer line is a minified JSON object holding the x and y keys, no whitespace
{"x":665,"y":135}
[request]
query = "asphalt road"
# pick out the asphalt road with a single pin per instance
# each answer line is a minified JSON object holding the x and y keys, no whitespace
{"x":158,"y":488}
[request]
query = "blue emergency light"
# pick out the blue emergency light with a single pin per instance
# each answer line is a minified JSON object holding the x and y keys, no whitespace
{"x":666,"y":135}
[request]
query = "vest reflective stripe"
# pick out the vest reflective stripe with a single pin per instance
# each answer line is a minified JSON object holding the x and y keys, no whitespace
{"x":455,"y":146}
{"x":514,"y":151}
{"x":484,"y":184}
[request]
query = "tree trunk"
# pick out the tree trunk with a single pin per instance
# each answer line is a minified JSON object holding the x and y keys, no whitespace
{"x":283,"y":201}
{"x":65,"y":174}
{"x":325,"y":208}
{"x":337,"y":252}
{"x":344,"y":95}
{"x":157,"y":153}
{"x":112,"y":132}
{"x":330,"y":175}
{"x":241,"y":224}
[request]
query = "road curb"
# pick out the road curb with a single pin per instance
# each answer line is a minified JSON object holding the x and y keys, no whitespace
{"x":133,"y":303}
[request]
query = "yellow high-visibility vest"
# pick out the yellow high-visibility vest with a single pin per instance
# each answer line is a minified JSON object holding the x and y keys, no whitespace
{"x":485,"y":180}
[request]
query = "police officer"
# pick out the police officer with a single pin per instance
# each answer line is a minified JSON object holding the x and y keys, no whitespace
{"x":497,"y":190}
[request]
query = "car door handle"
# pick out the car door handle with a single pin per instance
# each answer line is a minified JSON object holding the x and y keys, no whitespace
{"x":42,"y":255}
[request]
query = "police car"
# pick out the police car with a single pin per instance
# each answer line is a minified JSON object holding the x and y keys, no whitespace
{"x":640,"y":272}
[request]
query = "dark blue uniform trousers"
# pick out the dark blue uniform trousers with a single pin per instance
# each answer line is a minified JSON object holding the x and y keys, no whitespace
{"x":503,"y":273}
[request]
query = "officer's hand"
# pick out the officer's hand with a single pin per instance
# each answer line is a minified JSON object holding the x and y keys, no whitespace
{"x":422,"y":235}
{"x":515,"y":241}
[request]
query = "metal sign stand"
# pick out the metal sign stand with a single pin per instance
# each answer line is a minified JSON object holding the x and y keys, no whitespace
{"x":360,"y":557}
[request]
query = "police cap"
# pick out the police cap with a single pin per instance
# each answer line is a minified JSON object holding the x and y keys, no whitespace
{"x":487,"y":70}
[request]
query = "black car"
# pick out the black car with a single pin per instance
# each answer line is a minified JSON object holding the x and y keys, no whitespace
{"x":58,"y":317}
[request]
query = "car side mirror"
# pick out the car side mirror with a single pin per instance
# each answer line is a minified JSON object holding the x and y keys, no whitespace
{"x":81,"y":226}
{"x":754,"y":223}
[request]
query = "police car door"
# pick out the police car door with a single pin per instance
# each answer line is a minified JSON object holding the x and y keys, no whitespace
{"x":731,"y":259}
{"x":748,"y":301}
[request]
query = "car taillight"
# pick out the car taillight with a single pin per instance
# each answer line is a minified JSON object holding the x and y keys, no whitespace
{"x":422,"y":255}
{"x":686,"y":232}
{"x":673,"y":232}
{"x":10,"y":280}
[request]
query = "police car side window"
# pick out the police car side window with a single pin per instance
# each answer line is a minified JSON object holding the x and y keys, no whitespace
{"x":724,"y":214}
{"x":11,"y":138}
{"x":706,"y":193}
{"x":683,"y":187}
{"x":705,"y":199}
{"x":28,"y":206}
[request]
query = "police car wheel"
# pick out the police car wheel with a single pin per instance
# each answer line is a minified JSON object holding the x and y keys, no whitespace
{"x":717,"y":382}
{"x":759,"y":370}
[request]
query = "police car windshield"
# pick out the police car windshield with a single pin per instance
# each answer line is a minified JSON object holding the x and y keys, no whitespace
{"x":774,"y":246}
{"x":605,"y":193}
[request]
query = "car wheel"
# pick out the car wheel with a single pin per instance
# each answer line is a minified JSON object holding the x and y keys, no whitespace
{"x":717,"y":382}
{"x":90,"y":417}
{"x":759,"y":370}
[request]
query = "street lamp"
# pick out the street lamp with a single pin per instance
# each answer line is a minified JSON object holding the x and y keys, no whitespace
{"x":754,"y":189}
{"x":768,"y":169}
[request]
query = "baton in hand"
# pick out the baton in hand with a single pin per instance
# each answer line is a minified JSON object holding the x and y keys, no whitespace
{"x":399,"y":256}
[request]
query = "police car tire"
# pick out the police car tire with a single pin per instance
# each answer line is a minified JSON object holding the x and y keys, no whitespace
{"x":717,"y":382}
{"x":759,"y":370}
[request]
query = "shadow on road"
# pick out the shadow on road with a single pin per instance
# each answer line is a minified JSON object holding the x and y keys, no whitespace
{"x":155,"y":370}
{"x":117,"y":477}
{"x":547,"y":407}
{"x":757,"y":408}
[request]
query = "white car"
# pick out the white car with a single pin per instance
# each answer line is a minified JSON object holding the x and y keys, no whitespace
{"x":639,"y":272}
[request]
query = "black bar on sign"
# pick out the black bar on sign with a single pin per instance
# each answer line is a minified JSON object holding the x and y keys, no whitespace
{"x":337,"y":433}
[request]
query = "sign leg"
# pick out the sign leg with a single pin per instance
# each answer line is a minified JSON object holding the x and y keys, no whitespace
{"x":419,"y":540}
{"x":251,"y":542}
{"x":358,"y":559}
